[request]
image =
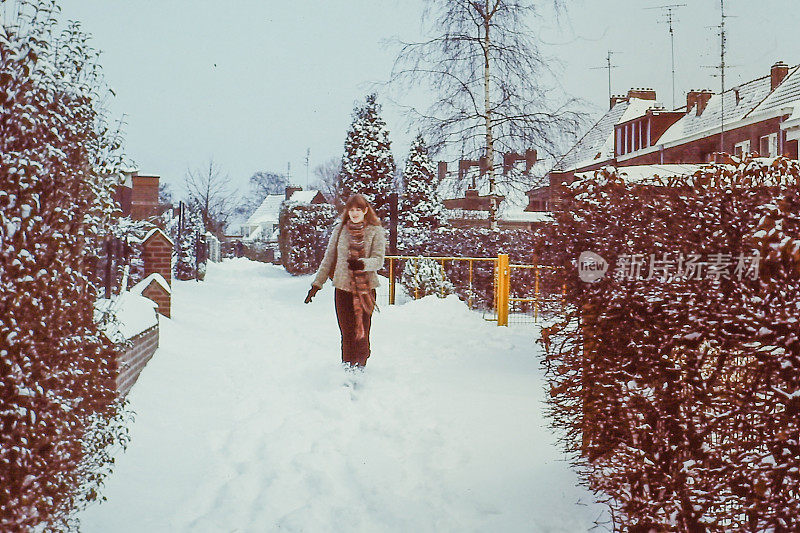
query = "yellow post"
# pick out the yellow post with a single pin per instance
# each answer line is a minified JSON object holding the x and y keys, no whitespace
{"x":416,"y":271}
{"x":469,"y":301}
{"x":503,"y":279}
{"x":536,"y":294}
{"x":391,"y":281}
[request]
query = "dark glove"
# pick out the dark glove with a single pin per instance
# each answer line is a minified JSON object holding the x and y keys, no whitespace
{"x":355,"y":264}
{"x":311,"y":292}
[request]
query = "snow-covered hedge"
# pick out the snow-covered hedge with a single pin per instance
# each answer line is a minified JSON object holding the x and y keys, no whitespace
{"x":303,"y":235}
{"x":681,"y":390}
{"x":58,"y":162}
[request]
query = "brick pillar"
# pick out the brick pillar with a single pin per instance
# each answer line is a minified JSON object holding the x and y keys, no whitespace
{"x":161,"y":297}
{"x":157,"y":254}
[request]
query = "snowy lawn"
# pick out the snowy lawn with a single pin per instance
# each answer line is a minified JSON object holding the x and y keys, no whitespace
{"x":247,"y":422}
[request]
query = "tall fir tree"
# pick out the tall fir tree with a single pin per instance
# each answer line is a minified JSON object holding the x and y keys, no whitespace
{"x":368,"y":166}
{"x":421,"y":208}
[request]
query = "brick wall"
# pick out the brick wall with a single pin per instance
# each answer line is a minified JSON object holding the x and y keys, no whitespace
{"x":132,"y":361}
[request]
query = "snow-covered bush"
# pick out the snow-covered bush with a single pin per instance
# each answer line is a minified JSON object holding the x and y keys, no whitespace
{"x":478,"y":242}
{"x":681,"y":391}
{"x":422,"y":277}
{"x":58,"y":166}
{"x":186,"y":264}
{"x":304,"y":232}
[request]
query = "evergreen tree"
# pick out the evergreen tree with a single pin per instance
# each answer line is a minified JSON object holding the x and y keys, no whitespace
{"x":421,"y":208}
{"x":186,"y":264}
{"x":368,"y":165}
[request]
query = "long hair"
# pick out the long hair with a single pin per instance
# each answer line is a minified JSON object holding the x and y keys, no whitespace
{"x":358,"y":200}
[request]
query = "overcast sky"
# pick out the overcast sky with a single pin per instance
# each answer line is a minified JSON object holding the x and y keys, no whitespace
{"x":255,"y":83}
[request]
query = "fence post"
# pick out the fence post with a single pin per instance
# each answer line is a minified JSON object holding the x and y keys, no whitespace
{"x":391,"y":281}
{"x":502,"y":289}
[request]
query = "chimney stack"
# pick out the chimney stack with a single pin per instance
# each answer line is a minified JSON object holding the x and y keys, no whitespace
{"x":642,"y":94}
{"x":617,"y":98}
{"x":778,"y":72}
{"x":290,"y":190}
{"x":697,"y":100}
{"x":442,"y":170}
{"x":702,"y":100}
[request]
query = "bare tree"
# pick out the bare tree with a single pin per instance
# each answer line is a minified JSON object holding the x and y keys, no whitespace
{"x":328,"y":181}
{"x":209,"y":190}
{"x":494,"y":86}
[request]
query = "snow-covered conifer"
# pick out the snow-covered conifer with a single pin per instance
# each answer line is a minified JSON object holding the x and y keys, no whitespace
{"x":421,"y":206}
{"x":368,"y":165}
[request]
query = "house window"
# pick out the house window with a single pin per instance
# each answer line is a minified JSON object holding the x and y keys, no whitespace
{"x":742,"y":148}
{"x":769,"y":145}
{"x":620,"y":148}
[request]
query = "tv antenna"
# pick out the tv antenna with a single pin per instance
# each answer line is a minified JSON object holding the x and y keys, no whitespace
{"x":723,"y":64}
{"x":608,"y":67}
{"x":670,"y":19}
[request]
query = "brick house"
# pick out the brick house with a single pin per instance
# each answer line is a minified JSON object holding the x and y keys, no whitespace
{"x":760,"y":116}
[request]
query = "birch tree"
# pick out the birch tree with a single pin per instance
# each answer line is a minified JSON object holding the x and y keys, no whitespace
{"x":495,"y":90}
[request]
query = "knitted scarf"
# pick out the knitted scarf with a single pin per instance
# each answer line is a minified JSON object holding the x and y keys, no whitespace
{"x":359,"y":280}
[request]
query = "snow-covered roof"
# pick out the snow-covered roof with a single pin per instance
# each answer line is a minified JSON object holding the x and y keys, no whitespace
{"x":651,"y":174}
{"x":750,"y":95}
{"x":528,"y":216}
{"x":153,"y":232}
{"x":785,"y":95}
{"x":155,"y":276}
{"x":303,"y":197}
{"x":268,"y":211}
{"x":597,"y":145}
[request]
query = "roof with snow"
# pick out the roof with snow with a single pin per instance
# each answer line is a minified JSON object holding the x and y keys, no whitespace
{"x":597,"y":145}
{"x":153,"y":232}
{"x":738,"y":102}
{"x":154,"y":277}
{"x":303,"y":197}
{"x":651,"y":174}
{"x":785,"y":95}
{"x":268,"y":211}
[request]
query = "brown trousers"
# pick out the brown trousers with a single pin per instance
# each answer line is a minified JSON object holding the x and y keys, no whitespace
{"x":354,"y":351}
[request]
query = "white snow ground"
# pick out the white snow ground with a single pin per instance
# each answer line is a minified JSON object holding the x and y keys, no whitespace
{"x":246,"y":422}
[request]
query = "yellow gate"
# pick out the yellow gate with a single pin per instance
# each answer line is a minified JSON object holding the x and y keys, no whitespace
{"x":502,"y":282}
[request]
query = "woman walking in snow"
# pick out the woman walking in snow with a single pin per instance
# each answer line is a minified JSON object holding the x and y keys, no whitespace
{"x":354,"y":254}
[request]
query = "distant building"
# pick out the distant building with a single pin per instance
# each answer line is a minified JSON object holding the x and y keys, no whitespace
{"x":760,"y":117}
{"x":262,"y":225}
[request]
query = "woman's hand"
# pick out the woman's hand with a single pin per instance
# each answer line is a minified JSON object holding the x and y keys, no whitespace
{"x":355,"y":264}
{"x":311,"y":292}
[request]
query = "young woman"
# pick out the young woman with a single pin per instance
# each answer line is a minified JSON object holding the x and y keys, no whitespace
{"x":354,"y":254}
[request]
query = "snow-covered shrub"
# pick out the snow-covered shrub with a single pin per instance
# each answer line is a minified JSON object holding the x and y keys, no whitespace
{"x":478,"y":242}
{"x":304,"y":232}
{"x":58,"y":166}
{"x":681,"y":392}
{"x":186,"y":263}
{"x":426,"y":276}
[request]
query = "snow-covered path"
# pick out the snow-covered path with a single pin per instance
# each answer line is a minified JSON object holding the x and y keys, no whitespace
{"x":244,"y":422}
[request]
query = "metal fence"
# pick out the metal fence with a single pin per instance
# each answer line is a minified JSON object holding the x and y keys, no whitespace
{"x":512,"y":293}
